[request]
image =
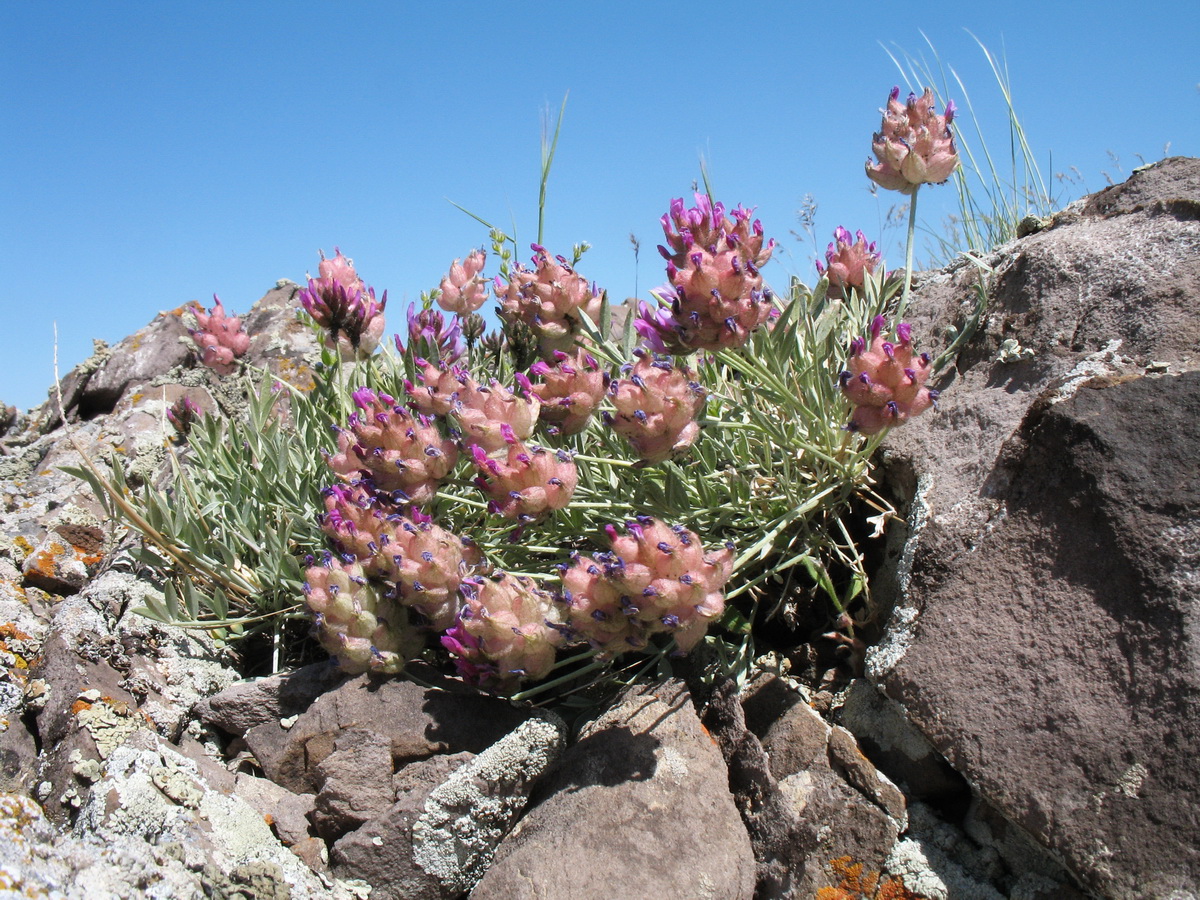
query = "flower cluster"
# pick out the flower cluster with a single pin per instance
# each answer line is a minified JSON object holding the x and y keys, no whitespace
{"x":548,"y":299}
{"x":464,"y":289}
{"x":655,"y":406}
{"x":914,"y":145}
{"x":220,"y":338}
{"x":430,"y":336}
{"x":656,"y":578}
{"x":364,"y":629}
{"x":849,"y":260}
{"x":716,"y":295}
{"x":509,"y":630}
{"x":528,"y":483}
{"x":401,"y":460}
{"x":183,"y":415}
{"x":398,"y":450}
{"x":345,"y":307}
{"x":570,"y":390}
{"x":885,"y":380}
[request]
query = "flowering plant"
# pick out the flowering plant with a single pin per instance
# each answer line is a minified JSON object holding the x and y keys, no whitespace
{"x":586,"y":500}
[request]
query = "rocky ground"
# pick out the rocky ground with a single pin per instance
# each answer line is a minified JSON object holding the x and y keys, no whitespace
{"x":1026,"y":726}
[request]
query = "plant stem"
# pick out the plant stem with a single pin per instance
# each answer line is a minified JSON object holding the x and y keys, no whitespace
{"x":908,"y":253}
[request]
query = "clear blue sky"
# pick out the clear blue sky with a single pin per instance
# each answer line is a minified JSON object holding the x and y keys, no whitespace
{"x":154,"y":153}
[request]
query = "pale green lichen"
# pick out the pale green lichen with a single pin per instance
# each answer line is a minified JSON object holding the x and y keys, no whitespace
{"x":177,"y":784}
{"x":466,"y":817}
{"x":108,"y":725}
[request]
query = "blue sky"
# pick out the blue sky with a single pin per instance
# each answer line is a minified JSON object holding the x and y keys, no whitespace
{"x":155,"y":153}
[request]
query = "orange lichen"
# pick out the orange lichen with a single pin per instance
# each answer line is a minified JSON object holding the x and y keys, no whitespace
{"x":10,"y":632}
{"x":855,"y":883}
{"x":79,"y":706}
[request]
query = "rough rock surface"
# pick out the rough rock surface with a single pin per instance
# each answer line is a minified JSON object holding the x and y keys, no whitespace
{"x":1045,"y":637}
{"x":416,"y":722}
{"x":638,"y":806}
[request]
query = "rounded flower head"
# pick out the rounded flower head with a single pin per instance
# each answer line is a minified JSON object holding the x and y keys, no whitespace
{"x":528,"y":483}
{"x":508,"y":631}
{"x":339,"y":302}
{"x":363,"y":629}
{"x":429,"y":336}
{"x":655,"y":405}
{"x":399,"y":451}
{"x":570,"y":390}
{"x":427,"y":564}
{"x":914,"y":145}
{"x":355,"y":519}
{"x":849,"y":261}
{"x":219,"y":338}
{"x":656,"y":578}
{"x":549,"y":300}
{"x":885,"y":380}
{"x":716,"y":295}
{"x":464,"y":289}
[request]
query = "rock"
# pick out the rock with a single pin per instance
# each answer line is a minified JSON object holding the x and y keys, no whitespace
{"x":133,"y":363}
{"x":836,"y":795}
{"x":447,"y":821}
{"x":639,"y":807}
{"x":418,"y":722}
{"x":1044,"y":634}
{"x":466,"y":817}
{"x":245,"y":704}
{"x":355,"y":782}
{"x":151,"y":792}
{"x":381,"y":851}
{"x":900,"y":750}
{"x":107,"y":673}
{"x":782,"y":841}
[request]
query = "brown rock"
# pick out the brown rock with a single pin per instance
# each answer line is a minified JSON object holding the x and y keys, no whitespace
{"x":418,"y":722}
{"x":639,"y":807}
{"x":244,"y":705}
{"x":1044,"y":635}
{"x":356,"y":782}
{"x":381,"y":851}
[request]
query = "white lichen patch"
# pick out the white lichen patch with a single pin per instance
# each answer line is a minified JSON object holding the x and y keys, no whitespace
{"x":467,"y":816}
{"x":109,"y":725}
{"x":673,"y":764}
{"x":177,"y":784}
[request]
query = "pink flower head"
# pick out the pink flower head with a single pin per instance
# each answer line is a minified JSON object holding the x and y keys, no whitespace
{"x":528,"y":483}
{"x":355,"y":519}
{"x":464,"y":289}
{"x":183,"y":414}
{"x":400,"y":452}
{"x":509,"y":631}
{"x":717,"y":295}
{"x":427,"y":564}
{"x":439,"y":389}
{"x":914,"y":145}
{"x":362,"y":628}
{"x":219,"y":338}
{"x":492,"y":415}
{"x":656,"y":578}
{"x":570,"y":390}
{"x":885,"y":380}
{"x":344,"y":306}
{"x":549,"y":299}
{"x":850,"y":260}
{"x":655,"y":405}
{"x":430,"y":337}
